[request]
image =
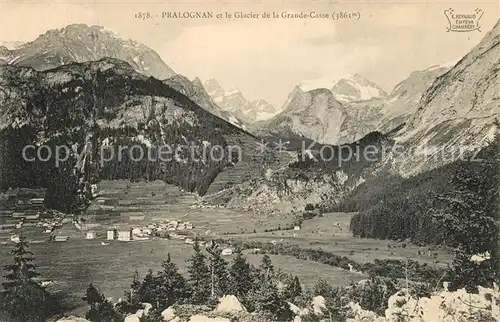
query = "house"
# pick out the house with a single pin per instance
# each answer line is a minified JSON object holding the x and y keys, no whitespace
{"x":185,"y":225}
{"x":189,"y":241}
{"x":110,"y":235}
{"x":173,"y":224}
{"x":296,"y":228}
{"x":125,"y":233}
{"x":61,"y":238}
{"x":227,"y":252}
{"x":90,"y":235}
{"x":137,"y":231}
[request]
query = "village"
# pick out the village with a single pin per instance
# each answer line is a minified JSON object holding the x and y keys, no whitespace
{"x":22,"y":211}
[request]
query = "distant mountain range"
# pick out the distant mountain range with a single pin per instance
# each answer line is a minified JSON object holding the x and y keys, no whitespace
{"x":80,"y":84}
{"x":345,"y":110}
{"x":196,"y":91}
{"x":235,"y":103}
{"x":430,"y":120}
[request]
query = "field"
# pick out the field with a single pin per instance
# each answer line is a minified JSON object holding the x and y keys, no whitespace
{"x":72,"y":265}
{"x":331,"y":233}
{"x":157,"y":202}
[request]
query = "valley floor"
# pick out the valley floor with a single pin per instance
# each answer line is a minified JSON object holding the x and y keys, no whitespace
{"x":73,"y":264}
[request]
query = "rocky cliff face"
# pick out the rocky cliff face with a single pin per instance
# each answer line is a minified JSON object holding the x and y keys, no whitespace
{"x":81,"y":43}
{"x":329,"y":112}
{"x":403,"y":101}
{"x":457,"y":114}
{"x":316,"y":115}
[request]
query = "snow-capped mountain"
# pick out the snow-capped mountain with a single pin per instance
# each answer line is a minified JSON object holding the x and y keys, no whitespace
{"x":347,"y":89}
{"x":457,"y":113}
{"x":329,"y":112}
{"x":196,"y":92}
{"x":81,"y":43}
{"x":234,"y":102}
{"x":367,"y":111}
{"x":326,"y":111}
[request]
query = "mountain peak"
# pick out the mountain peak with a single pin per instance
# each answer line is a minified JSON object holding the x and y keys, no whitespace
{"x":197,"y":82}
{"x":83,"y":43}
{"x":348,"y":88}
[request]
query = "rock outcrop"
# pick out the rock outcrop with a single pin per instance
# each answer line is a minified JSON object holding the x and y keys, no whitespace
{"x":230,"y":304}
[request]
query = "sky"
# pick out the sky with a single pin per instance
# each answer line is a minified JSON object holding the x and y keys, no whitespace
{"x":266,"y":58}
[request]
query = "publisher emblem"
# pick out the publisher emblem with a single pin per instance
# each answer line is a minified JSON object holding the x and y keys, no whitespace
{"x":463,"y":21}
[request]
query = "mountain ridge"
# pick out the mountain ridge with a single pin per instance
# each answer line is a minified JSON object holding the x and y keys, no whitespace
{"x":81,"y":43}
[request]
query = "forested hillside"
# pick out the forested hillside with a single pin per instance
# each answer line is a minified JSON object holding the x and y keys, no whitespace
{"x":93,"y":109}
{"x":396,"y":208}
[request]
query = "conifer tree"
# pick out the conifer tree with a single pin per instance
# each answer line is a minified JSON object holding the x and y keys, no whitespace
{"x":268,"y":300}
{"x":241,"y":275}
{"x":219,"y":282}
{"x":199,"y":276}
{"x":293,"y":289}
{"x":148,"y":290}
{"x":266,"y":267}
{"x":468,"y":217}
{"x":23,"y":269}
{"x":172,"y":286}
{"x":134,"y":288}
{"x":101,"y":310}
{"x":23,"y":299}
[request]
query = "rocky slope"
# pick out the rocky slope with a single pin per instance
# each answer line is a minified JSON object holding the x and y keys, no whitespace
{"x":107,"y":104}
{"x":404,"y":98}
{"x":11,"y":44}
{"x":457,"y":114}
{"x":389,"y":113}
{"x":235,"y":103}
{"x":81,"y":43}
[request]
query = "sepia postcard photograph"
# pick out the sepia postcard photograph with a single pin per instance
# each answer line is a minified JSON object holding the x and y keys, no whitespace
{"x":249,"y":161}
